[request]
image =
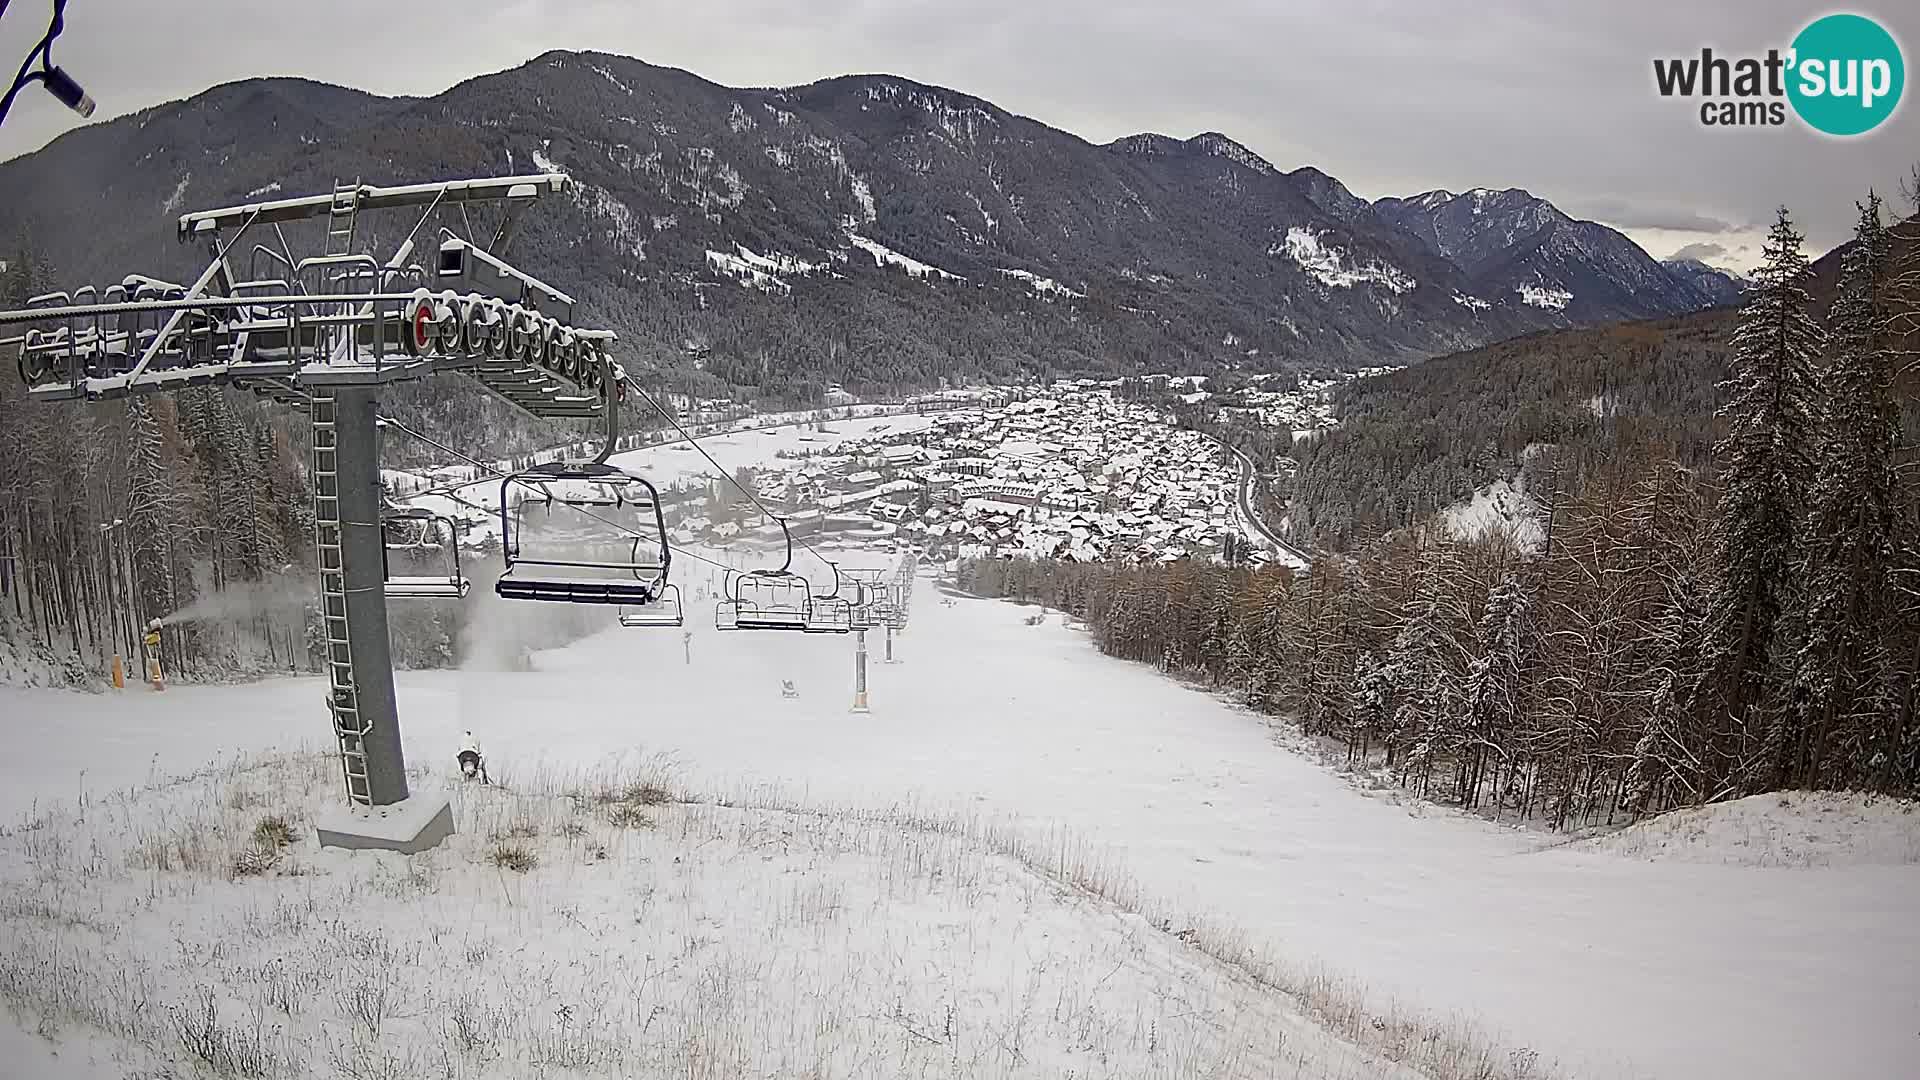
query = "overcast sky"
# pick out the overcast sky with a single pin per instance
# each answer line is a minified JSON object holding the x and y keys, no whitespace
{"x":1392,"y":98}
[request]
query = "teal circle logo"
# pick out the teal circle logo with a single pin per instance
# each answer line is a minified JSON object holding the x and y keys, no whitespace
{"x":1846,"y":74}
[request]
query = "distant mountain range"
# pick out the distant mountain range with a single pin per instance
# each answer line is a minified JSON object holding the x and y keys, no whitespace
{"x":869,"y":229}
{"x":1723,"y":286}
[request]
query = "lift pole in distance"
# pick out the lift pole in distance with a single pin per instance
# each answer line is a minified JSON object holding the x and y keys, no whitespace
{"x":860,"y":672}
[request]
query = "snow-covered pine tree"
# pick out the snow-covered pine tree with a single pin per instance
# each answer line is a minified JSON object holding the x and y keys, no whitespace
{"x":1765,"y":472}
{"x":269,"y":541}
{"x":1664,"y":517}
{"x":1846,"y":708}
{"x":1493,"y":688}
{"x":1902,"y":773}
{"x":1418,"y":691}
{"x":1370,"y":702}
{"x":152,"y":512}
{"x":1259,"y":638}
{"x":1666,"y":767}
{"x":1217,"y":633}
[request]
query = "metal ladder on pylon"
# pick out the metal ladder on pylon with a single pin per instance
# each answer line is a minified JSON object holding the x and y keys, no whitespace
{"x":342,"y":216}
{"x":343,"y":696}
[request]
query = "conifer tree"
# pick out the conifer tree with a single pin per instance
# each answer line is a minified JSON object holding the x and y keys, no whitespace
{"x":1666,"y":765}
{"x":1764,"y":473}
{"x":152,"y":511}
{"x":1844,"y":691}
{"x":1493,"y":689}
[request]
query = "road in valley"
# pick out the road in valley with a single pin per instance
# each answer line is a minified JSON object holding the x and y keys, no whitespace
{"x":1248,"y":477}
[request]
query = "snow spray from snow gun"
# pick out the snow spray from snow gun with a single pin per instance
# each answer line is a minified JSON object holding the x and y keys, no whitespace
{"x":273,"y":595}
{"x":281,"y":593}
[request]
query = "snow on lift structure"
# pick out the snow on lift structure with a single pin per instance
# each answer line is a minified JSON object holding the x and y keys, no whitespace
{"x":289,"y":327}
{"x":326,"y":333}
{"x":780,"y":600}
{"x":415,"y":531}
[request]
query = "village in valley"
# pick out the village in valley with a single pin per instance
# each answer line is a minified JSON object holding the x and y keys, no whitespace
{"x":1080,"y":469}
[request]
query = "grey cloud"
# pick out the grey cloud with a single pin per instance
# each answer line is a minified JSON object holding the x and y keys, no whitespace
{"x":1700,"y":252}
{"x":1391,"y":98}
{"x":1624,"y":215}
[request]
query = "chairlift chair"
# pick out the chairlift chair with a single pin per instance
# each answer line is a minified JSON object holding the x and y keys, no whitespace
{"x":613,"y":563}
{"x":764,"y":600}
{"x":869,"y":600}
{"x":432,"y":533}
{"x":860,"y":608}
{"x":663,"y":611}
{"x":828,"y":615}
{"x":831,"y":612}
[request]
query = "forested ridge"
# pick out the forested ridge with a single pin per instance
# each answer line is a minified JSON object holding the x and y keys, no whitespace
{"x":1726,"y":598}
{"x":1418,"y":440}
{"x":1414,"y":442}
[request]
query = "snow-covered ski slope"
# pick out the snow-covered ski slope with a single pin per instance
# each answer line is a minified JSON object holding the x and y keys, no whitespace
{"x":578,"y":927}
{"x":1616,"y":965}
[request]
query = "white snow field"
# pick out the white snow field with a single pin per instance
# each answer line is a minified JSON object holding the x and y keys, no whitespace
{"x":1789,"y":828}
{"x":1616,"y":966}
{"x":592,"y":928}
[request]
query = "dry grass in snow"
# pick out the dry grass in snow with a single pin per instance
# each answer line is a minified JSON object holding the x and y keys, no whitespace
{"x":594,"y":925}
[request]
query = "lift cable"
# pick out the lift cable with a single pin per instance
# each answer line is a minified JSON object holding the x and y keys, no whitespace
{"x":722,"y":472}
{"x":388,"y":421}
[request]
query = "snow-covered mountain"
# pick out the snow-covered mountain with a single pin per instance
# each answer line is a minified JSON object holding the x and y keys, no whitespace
{"x":1512,"y":243}
{"x":1719,"y":286}
{"x":867,"y":230}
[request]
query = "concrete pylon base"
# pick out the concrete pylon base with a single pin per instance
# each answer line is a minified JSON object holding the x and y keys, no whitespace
{"x":409,"y":826}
